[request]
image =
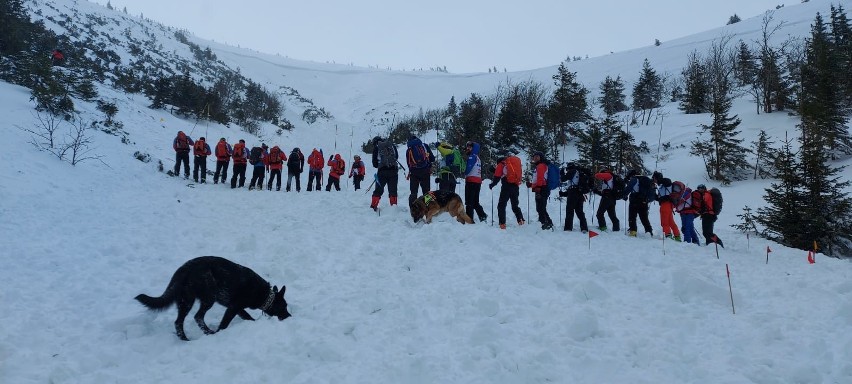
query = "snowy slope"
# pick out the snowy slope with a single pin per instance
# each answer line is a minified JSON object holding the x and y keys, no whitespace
{"x":380,"y":299}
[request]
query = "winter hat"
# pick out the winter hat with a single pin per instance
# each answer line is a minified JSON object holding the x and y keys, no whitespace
{"x":701,"y":187}
{"x":201,"y":138}
{"x":264,"y":146}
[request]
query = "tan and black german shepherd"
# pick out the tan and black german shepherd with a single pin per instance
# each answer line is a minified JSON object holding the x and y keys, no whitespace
{"x":435,"y":202}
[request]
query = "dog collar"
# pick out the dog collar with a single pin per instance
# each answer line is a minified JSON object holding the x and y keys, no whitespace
{"x":269,"y":300}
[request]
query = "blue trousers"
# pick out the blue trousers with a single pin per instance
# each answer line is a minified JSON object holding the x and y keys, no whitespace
{"x":687,"y":227}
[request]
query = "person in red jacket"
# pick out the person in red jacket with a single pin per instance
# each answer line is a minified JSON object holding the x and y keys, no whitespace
{"x":357,"y":172}
{"x":316,"y":161}
{"x":337,"y":167}
{"x":201,"y":150}
{"x":275,"y":162}
{"x":223,"y":154}
{"x":704,"y":202}
{"x":509,"y":173}
{"x":540,"y":189}
{"x":684,"y":205}
{"x":240,"y":163}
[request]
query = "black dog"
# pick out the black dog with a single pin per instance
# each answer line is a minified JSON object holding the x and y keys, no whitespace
{"x":214,"y":279}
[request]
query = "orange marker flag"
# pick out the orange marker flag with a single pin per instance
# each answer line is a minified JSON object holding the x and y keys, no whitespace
{"x":591,"y":235}
{"x":811,"y":257}
{"x":816,"y":247}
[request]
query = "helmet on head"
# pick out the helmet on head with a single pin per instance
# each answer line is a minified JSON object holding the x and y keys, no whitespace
{"x":701,"y":187}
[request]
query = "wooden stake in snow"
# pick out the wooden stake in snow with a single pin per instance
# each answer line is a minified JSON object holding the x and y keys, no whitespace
{"x":730,"y":289}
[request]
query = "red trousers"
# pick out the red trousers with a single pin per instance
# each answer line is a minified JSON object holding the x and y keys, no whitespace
{"x":667,"y":219}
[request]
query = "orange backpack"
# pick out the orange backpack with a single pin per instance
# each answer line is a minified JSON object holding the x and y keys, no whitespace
{"x":199,"y":148}
{"x":514,"y":173}
{"x":275,"y":155}
{"x":238,"y":150}
{"x":222,"y":150}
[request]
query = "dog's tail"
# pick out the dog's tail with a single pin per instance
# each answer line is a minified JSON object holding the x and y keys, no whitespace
{"x":159,"y":303}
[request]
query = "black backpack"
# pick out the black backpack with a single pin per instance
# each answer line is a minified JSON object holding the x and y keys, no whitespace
{"x":646,"y":189}
{"x":255,"y":155}
{"x":716,"y":195}
{"x":584,"y":179}
{"x":387,"y":154}
{"x":618,"y":184}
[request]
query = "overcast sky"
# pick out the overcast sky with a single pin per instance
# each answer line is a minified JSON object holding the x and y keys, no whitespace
{"x":463,"y":35}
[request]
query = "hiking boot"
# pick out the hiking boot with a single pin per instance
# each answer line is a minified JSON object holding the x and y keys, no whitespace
{"x":251,"y":187}
{"x":584,"y":231}
{"x":215,"y":181}
{"x":521,"y":222}
{"x":602,"y":228}
{"x":669,"y":236}
{"x":631,"y":233}
{"x":650,"y":233}
{"x":567,"y":229}
{"x":502,"y":226}
{"x":483,"y":217}
{"x":677,"y":238}
{"x":547,"y":226}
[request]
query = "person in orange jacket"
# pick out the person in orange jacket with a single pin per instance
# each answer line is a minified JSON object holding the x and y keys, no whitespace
{"x":240,"y":157}
{"x":182,"y":144}
{"x":275,"y":162}
{"x":223,"y":157}
{"x":509,"y":173}
{"x":704,"y":202}
{"x":316,"y":160}
{"x":540,"y":189}
{"x":357,"y":172}
{"x":337,"y":167}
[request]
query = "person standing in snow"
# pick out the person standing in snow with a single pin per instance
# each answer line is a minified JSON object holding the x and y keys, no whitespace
{"x":240,"y":157}
{"x":473,"y":182}
{"x":357,"y":172}
{"x":182,"y":144}
{"x":540,"y":189}
{"x":336,"y":168}
{"x":223,"y":158}
{"x":295,"y":166}
{"x":385,"y":160}
{"x":316,"y":160}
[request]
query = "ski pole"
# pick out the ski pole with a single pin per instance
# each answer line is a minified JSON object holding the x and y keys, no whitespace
{"x":492,"y":207}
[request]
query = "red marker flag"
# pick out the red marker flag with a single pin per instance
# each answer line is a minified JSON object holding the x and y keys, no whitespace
{"x":592,"y":234}
{"x":767,"y":254}
{"x":811,"y":257}
{"x":768,"y":250}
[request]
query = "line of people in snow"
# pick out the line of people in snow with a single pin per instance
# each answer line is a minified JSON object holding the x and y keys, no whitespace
{"x":637,"y":189}
{"x":263,"y":160}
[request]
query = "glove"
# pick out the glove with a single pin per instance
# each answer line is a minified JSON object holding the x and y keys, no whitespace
{"x":624,"y":198}
{"x":536,"y":189}
{"x":493,"y":183}
{"x":529,"y":184}
{"x":350,"y":176}
{"x":437,"y":181}
{"x":563,"y":193}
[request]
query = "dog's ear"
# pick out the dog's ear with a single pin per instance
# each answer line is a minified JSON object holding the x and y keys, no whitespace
{"x":283,"y":289}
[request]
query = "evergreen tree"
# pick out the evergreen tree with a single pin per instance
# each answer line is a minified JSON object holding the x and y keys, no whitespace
{"x":723,"y":153}
{"x":473,"y":117}
{"x":596,"y":144}
{"x":828,"y":212}
{"x":782,"y":217}
{"x":775,"y":90}
{"x":451,"y":121}
{"x":568,"y":103}
{"x":734,"y":19}
{"x":695,"y":93}
{"x":841,"y":38}
{"x":647,"y":92}
{"x":612,"y":96}
{"x":822,"y":105}
{"x":627,"y":154}
{"x":765,"y":156}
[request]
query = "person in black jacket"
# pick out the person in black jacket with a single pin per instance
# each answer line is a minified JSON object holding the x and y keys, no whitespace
{"x":295,"y":166}
{"x":637,"y":190}
{"x":385,"y":160}
{"x":574,"y":204}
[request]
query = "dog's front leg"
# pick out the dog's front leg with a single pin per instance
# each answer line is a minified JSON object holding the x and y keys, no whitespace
{"x":229,"y":315}
{"x":244,"y":315}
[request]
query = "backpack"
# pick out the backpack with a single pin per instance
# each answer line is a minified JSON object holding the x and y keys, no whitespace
{"x":238,"y":150}
{"x":716,"y":195}
{"x":458,"y":166}
{"x":514,"y":173}
{"x":275,"y":156}
{"x":222,"y":150}
{"x":255,"y":155}
{"x":677,"y":190}
{"x":618,"y":184}
{"x":585,"y":181}
{"x":199,"y":148}
{"x":339,"y":166}
{"x":646,"y":189}
{"x":293,"y":160}
{"x":683,"y":200}
{"x":553,"y":175}
{"x":182,"y":143}
{"x":387,"y":154}
{"x":418,"y":158}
